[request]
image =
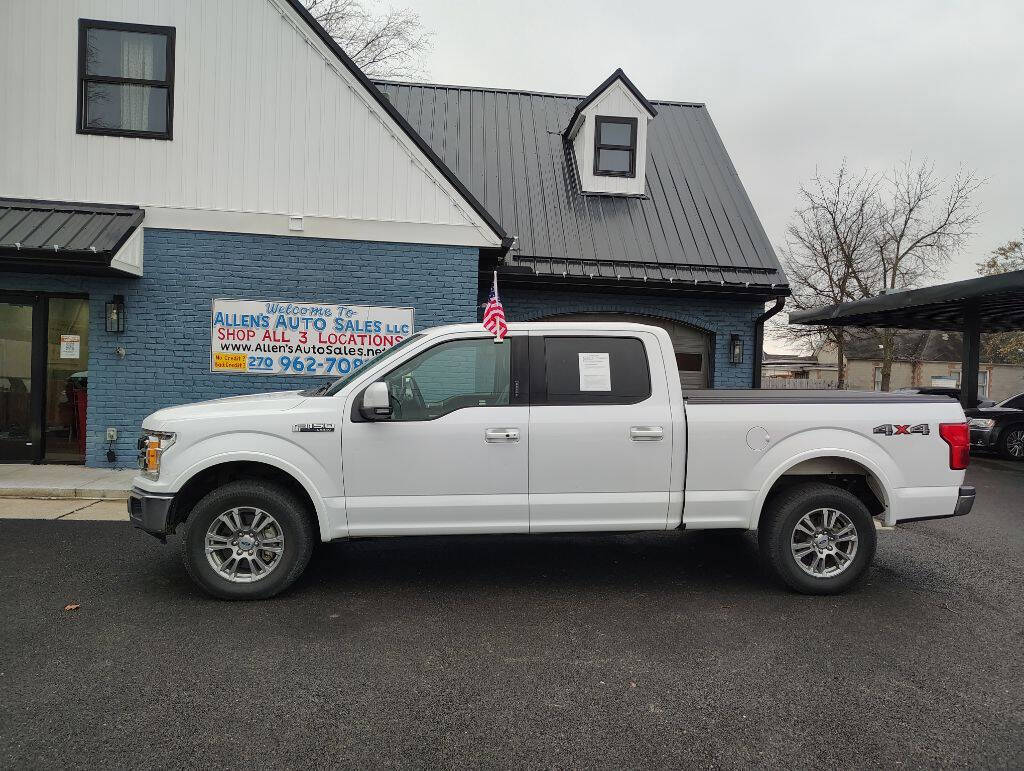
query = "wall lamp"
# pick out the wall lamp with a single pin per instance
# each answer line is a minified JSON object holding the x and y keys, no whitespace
{"x":735,"y":349}
{"x":115,"y":314}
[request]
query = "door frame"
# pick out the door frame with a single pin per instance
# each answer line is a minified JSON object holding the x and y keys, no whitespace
{"x":39,"y":301}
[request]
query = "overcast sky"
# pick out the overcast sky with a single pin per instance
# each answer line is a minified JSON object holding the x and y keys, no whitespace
{"x":792,"y":86}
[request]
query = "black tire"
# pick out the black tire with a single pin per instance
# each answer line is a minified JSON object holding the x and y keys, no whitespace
{"x":1009,"y":442}
{"x":292,"y":517}
{"x":779,"y":520}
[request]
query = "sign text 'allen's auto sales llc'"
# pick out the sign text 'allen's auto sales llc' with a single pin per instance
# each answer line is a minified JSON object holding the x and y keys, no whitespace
{"x":278,"y":338}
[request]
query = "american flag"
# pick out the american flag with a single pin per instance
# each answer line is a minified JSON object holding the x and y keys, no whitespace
{"x":494,"y":313}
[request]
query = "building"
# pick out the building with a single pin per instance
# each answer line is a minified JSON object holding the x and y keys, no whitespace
{"x":184,"y":197}
{"x":921,"y":358}
{"x":780,"y":370}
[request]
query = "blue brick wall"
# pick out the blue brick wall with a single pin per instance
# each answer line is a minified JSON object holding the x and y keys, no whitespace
{"x":721,"y":316}
{"x":168,"y":312}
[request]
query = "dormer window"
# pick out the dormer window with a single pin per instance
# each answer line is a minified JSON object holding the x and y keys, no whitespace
{"x":608,"y":132}
{"x":615,"y":146}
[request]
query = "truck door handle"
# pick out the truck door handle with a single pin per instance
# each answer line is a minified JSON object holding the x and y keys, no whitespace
{"x":646,"y":433}
{"x":501,"y":435}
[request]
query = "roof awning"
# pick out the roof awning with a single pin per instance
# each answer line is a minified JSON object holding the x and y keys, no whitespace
{"x":82,"y":238}
{"x":995,"y":302}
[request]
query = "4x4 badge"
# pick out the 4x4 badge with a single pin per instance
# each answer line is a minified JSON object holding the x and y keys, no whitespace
{"x":890,"y":429}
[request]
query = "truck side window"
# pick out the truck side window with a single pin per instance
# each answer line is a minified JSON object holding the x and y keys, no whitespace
{"x":596,"y":370}
{"x":449,"y":377}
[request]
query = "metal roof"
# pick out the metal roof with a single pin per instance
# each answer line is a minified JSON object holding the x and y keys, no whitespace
{"x":997,"y":300}
{"x":695,"y":225}
{"x":36,"y":234}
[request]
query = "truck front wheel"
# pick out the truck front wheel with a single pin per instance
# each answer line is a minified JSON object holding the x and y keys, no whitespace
{"x":247,"y":540}
{"x":817,"y":538}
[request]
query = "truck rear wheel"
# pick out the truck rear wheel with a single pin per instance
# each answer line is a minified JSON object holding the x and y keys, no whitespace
{"x":817,"y":538}
{"x":247,"y":540}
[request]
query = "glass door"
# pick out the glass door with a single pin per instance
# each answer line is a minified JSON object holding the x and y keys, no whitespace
{"x":16,"y":403}
{"x":44,"y":354}
{"x":67,"y":356}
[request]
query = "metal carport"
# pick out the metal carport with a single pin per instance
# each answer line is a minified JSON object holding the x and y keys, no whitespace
{"x":986,"y":304}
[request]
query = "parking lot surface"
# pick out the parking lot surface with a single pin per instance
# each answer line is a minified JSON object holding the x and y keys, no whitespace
{"x":599,"y":651}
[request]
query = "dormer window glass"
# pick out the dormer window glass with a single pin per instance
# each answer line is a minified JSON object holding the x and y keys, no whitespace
{"x":615,"y":146}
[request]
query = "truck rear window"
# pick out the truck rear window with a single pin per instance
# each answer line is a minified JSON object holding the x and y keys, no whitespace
{"x":596,"y":370}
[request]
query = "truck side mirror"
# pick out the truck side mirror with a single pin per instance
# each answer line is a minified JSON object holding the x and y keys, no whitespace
{"x":376,"y":401}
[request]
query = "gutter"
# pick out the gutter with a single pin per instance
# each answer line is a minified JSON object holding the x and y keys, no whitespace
{"x":780,"y":303}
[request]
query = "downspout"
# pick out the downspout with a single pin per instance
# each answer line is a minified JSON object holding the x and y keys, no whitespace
{"x":780,"y":302}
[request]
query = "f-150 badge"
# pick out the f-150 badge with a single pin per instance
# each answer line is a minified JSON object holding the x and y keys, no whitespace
{"x":312,"y":428}
{"x":890,"y":429}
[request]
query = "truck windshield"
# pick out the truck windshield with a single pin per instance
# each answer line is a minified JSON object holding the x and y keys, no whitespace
{"x":337,"y":385}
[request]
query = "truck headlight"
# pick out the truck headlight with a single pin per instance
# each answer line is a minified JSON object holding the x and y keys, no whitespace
{"x":152,"y":446}
{"x":981,"y":422}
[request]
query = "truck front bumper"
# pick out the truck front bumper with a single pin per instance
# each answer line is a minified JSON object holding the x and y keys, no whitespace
{"x":150,"y":512}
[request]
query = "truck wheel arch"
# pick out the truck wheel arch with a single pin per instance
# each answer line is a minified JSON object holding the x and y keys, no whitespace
{"x":821,"y":465}
{"x":202,"y":479}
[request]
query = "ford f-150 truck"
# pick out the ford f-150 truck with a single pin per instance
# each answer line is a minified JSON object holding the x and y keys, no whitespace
{"x":562,"y":427}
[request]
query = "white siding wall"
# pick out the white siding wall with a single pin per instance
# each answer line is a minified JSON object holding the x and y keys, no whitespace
{"x":617,"y":102}
{"x":266,"y":121}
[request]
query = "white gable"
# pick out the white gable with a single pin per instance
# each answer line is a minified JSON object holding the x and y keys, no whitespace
{"x":267,"y":123}
{"x":617,"y":101}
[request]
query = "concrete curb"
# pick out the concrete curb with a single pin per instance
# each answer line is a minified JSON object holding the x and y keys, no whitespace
{"x":50,"y":493}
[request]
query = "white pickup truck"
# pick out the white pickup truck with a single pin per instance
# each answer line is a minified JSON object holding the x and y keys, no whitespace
{"x":562,"y":427}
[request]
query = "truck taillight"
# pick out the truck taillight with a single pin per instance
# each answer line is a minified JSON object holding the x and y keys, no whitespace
{"x":958,"y":437}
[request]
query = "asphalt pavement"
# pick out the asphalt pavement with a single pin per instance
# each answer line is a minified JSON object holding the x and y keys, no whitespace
{"x":605,"y":651}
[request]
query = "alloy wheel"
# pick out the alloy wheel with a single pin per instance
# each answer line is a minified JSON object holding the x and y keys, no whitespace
{"x":244,"y":544}
{"x":1015,"y":443}
{"x":824,"y":542}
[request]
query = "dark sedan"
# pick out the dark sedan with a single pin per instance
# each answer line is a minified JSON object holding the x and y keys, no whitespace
{"x":999,"y":428}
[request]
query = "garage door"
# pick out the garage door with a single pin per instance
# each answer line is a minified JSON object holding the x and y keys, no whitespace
{"x":691,"y":346}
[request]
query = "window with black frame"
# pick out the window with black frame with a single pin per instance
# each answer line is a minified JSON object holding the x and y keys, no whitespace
{"x":615,"y":146}
{"x":125,"y":79}
{"x":595,"y":370}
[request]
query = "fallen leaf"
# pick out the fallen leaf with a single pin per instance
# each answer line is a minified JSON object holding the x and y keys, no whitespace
{"x":72,"y":607}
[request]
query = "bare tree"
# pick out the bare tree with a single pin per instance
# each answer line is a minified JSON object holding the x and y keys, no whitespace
{"x":829,"y":250}
{"x":857,"y":236}
{"x":386,"y":45}
{"x":1005,"y":258}
{"x":920,"y":228}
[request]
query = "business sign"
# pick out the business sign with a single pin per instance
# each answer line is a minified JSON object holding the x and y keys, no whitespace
{"x":285,"y":338}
